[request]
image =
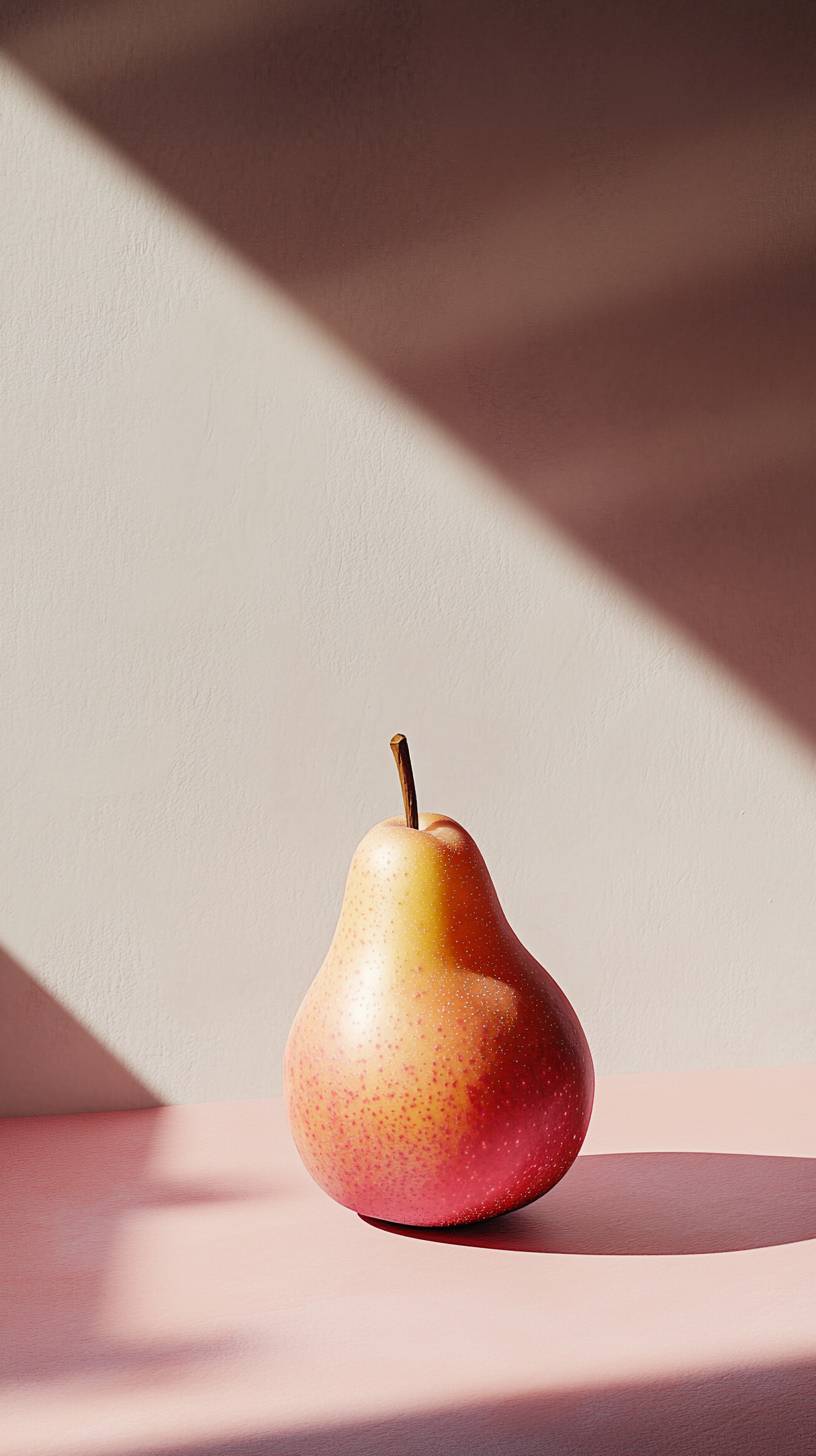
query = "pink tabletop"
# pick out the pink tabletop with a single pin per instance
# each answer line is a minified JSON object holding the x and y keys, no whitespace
{"x":173,"y":1283}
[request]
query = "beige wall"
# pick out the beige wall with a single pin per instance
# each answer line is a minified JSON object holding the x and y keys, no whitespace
{"x":234,"y":565}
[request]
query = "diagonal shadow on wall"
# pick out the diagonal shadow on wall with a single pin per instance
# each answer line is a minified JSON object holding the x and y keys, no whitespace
{"x":581,"y":237}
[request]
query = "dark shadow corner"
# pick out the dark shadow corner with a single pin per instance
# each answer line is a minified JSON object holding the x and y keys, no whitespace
{"x":50,"y":1062}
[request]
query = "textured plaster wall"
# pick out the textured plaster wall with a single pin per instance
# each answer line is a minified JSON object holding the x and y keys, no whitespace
{"x":233,"y":566}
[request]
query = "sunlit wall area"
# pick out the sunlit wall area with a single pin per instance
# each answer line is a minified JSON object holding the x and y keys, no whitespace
{"x":236,"y":561}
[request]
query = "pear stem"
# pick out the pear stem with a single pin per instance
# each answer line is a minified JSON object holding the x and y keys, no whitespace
{"x":402,"y":758}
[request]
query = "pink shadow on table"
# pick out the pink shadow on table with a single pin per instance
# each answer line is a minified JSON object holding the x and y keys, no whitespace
{"x":654,"y":1203}
{"x":743,"y":1412}
{"x":68,"y":1186}
{"x":61,"y":1217}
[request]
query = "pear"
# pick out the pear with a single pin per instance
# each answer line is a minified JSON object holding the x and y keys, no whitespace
{"x":435,"y":1073}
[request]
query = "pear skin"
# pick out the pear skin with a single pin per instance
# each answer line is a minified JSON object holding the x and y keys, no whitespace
{"x":435,"y":1073}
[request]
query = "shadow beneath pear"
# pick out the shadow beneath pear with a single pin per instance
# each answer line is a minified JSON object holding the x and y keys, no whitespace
{"x":654,"y":1203}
